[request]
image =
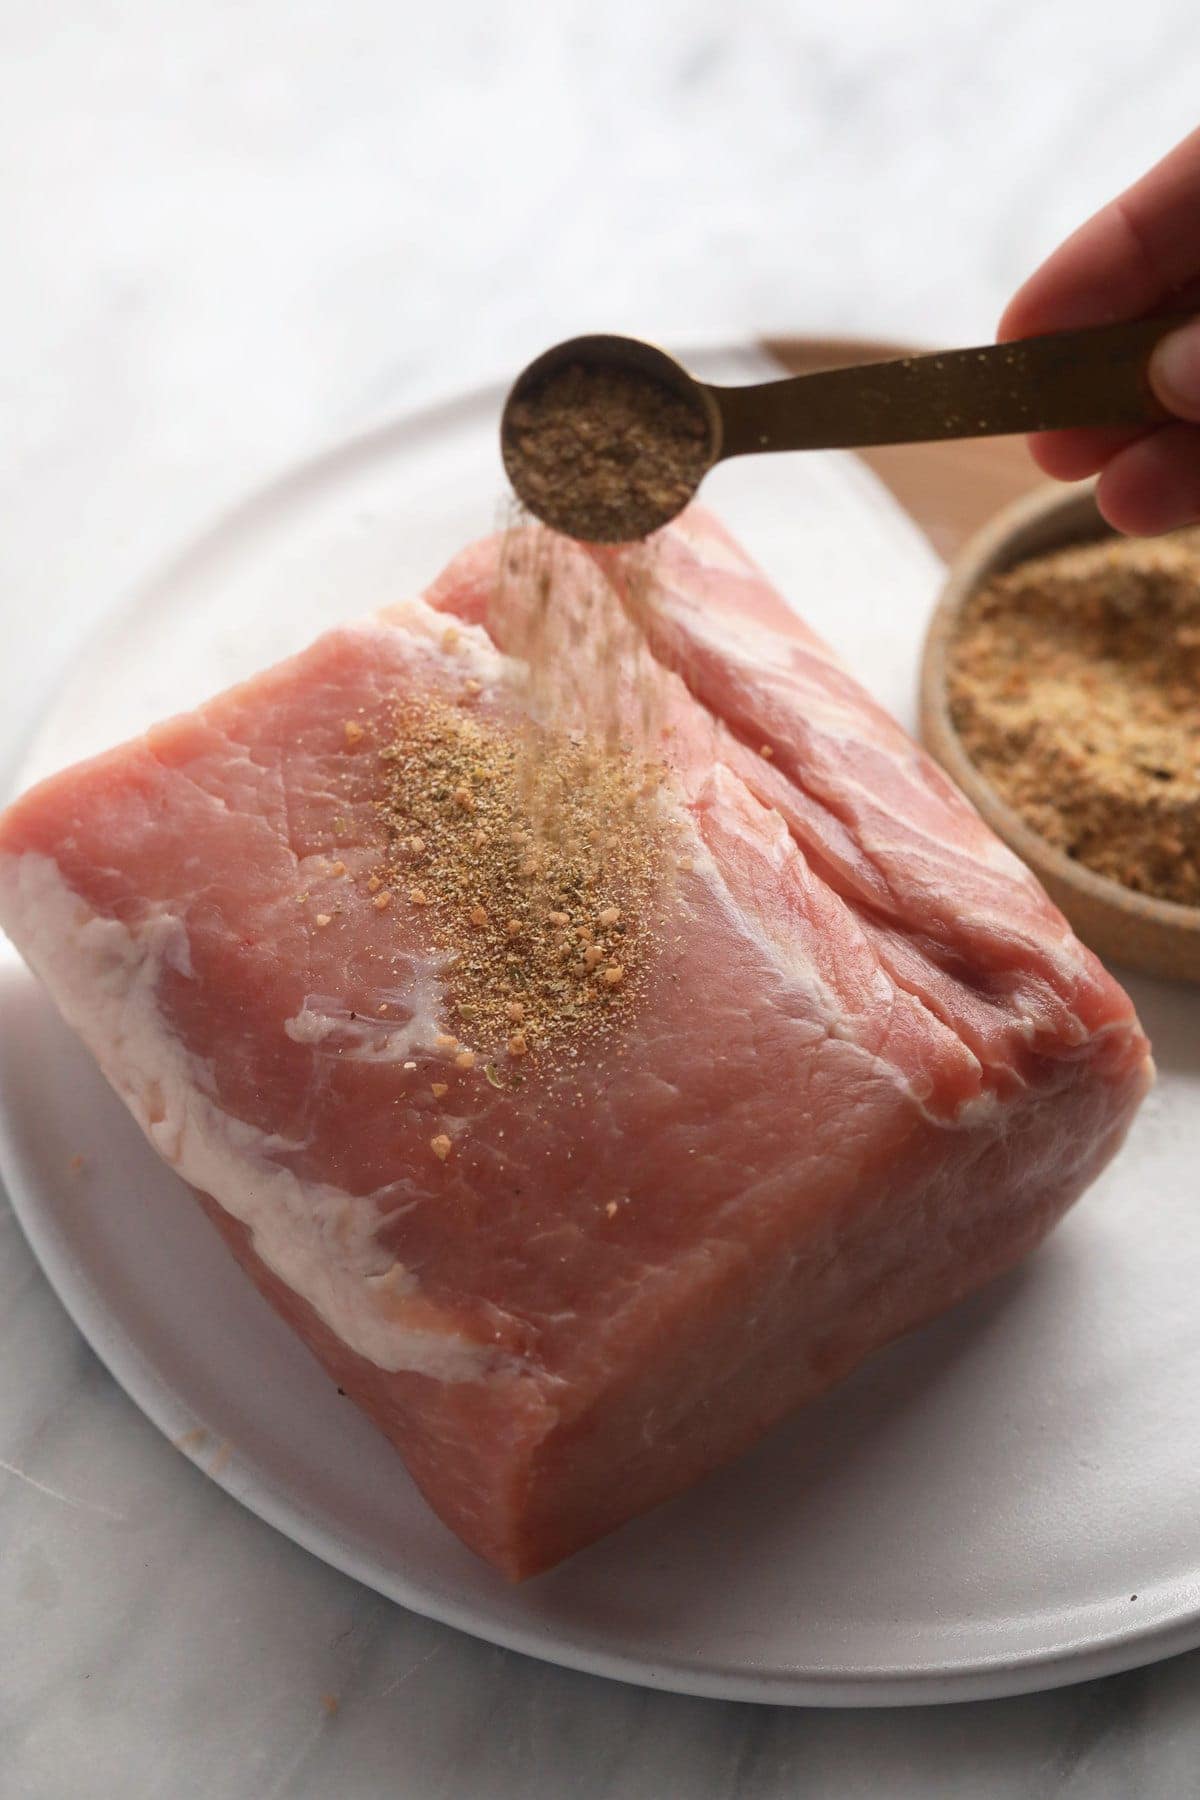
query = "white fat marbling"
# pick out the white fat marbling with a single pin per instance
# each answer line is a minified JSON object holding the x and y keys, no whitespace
{"x":234,"y":234}
{"x":320,"y":1240}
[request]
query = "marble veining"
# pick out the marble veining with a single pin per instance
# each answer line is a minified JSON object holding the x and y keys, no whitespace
{"x":231,"y":239}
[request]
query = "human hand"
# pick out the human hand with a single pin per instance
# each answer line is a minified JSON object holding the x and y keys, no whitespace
{"x":1138,"y":255}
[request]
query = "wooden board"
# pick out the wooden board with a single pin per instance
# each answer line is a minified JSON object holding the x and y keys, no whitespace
{"x":949,"y":489}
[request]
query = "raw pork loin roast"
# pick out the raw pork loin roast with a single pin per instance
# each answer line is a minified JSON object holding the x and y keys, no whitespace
{"x":580,"y":1139}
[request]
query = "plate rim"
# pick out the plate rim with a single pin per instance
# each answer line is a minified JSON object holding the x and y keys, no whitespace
{"x":982,"y":1678}
{"x":1037,"y":1669}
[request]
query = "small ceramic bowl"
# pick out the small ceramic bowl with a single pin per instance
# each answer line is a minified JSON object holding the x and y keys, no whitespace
{"x":1157,"y":937}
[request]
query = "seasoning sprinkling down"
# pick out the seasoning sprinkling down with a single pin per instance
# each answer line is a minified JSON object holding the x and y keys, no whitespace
{"x":533,"y":960}
{"x":605,"y":454}
{"x":1074,"y":685}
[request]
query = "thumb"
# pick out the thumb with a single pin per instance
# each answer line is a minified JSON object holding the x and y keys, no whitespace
{"x":1174,"y":371}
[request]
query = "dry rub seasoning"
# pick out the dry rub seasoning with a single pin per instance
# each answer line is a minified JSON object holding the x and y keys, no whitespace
{"x":1074,"y":684}
{"x":605,"y":454}
{"x":539,"y":895}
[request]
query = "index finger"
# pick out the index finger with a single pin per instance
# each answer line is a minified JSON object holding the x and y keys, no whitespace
{"x":1136,"y":253}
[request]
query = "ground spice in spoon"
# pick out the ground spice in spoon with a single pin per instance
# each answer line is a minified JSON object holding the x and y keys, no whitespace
{"x":1074,"y":684}
{"x":604,"y":454}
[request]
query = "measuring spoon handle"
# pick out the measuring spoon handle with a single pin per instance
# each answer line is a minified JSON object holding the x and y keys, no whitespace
{"x":1069,"y":378}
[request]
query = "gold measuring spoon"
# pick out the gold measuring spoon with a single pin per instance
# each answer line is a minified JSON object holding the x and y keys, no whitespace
{"x":607,"y":438}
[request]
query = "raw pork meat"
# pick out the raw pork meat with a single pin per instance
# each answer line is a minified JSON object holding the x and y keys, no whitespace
{"x":866,"y":1069}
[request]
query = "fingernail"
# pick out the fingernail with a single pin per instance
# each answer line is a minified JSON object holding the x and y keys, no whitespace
{"x":1175,"y":370}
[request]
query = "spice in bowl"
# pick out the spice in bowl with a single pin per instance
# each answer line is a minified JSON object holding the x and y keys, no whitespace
{"x":1074,"y":686}
{"x":605,"y":454}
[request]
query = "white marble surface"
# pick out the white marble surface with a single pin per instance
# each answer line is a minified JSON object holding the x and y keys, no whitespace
{"x":233,"y":232}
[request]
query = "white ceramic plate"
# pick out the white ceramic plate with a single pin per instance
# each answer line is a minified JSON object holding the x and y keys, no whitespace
{"x":1005,"y":1501}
